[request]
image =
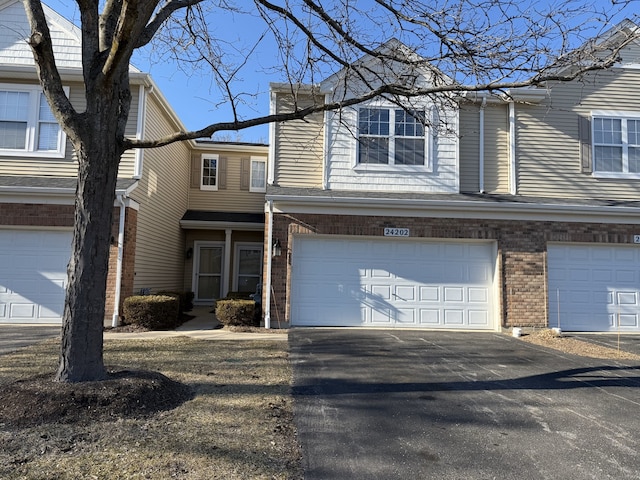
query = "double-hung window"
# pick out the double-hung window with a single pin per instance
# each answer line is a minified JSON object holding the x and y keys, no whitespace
{"x":391,"y":136}
{"x":209,"y":172}
{"x":616,"y":144}
{"x":27,"y":126}
{"x":258,"y":181}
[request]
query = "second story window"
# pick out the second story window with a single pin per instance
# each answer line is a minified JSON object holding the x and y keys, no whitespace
{"x":209,"y":175}
{"x":27,"y":126}
{"x":391,"y":136}
{"x":616,"y":144}
{"x":258,"y":182}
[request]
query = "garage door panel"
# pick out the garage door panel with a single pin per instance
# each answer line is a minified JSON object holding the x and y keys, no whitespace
{"x":478,"y":295}
{"x":608,"y":277}
{"x":406,"y":316}
{"x":628,"y":298}
{"x":478,"y":318}
{"x":628,"y":320}
{"x":453,"y":318}
{"x":406,"y":293}
{"x":429,"y":317}
{"x":453,"y":294}
{"x":626,"y":276}
{"x":429,"y":294}
{"x":400,"y":278}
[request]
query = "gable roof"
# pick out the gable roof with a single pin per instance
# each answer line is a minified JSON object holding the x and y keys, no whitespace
{"x":393,"y":62}
{"x":15,"y":29}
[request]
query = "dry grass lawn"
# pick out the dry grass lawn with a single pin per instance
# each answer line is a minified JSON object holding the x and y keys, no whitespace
{"x":238,"y":424}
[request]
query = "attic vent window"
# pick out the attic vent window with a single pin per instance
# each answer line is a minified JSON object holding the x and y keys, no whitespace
{"x":391,"y":136}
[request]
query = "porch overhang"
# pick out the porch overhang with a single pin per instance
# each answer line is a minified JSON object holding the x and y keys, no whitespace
{"x":205,"y":220}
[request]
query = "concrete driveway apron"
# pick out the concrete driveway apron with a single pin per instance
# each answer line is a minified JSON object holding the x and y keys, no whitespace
{"x":13,"y":337}
{"x":389,"y":404}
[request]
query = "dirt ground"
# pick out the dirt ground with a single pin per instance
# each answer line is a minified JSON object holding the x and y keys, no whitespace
{"x":562,"y":342}
{"x":217,"y":410}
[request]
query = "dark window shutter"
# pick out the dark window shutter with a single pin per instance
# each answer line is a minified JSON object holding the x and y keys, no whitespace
{"x":245,"y":173}
{"x":222,"y":173}
{"x":196,"y":171}
{"x":584,"y":133}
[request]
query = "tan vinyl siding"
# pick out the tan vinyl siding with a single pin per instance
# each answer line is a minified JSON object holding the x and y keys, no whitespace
{"x":162,"y":194}
{"x":128,"y":160}
{"x":230,"y":199}
{"x":298,"y":146}
{"x":547,"y":142}
{"x":496,"y":148}
{"x":469,"y":147}
{"x":68,"y":166}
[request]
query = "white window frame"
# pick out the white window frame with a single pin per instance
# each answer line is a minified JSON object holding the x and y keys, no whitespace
{"x":391,"y":166}
{"x":33,"y":121}
{"x":253,"y":160}
{"x":209,"y":156}
{"x":614,"y":115}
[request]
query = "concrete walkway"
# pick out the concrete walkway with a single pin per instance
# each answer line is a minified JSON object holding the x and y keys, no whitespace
{"x":205,"y":326}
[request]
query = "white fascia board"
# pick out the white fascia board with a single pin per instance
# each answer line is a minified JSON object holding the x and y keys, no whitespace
{"x":238,"y":148}
{"x":28,"y":72}
{"x":204,"y":225}
{"x":56,"y":196}
{"x":455,"y":209}
{"x":526,"y":94}
{"x":52,"y":197}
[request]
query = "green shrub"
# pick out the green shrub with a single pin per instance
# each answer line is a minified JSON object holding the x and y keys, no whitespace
{"x":185,"y":299}
{"x":155,"y":312}
{"x":234,"y":312}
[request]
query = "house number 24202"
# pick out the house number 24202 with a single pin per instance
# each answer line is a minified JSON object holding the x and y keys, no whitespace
{"x":396,"y":232}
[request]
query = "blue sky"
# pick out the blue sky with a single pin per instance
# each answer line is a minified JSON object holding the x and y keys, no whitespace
{"x":193,"y":94}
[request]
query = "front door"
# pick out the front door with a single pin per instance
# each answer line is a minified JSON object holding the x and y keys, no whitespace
{"x":208,"y":263}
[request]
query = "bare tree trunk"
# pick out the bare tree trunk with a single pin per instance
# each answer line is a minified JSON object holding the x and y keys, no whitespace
{"x":99,"y":148}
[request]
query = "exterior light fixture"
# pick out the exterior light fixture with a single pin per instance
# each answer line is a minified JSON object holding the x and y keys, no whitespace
{"x":276,"y":249}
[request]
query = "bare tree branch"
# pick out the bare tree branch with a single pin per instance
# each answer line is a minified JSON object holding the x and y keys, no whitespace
{"x":46,"y":68}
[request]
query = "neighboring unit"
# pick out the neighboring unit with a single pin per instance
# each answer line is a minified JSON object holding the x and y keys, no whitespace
{"x":183,"y":205}
{"x":477,"y":212}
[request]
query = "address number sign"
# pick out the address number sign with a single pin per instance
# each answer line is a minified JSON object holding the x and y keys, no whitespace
{"x":396,"y":232}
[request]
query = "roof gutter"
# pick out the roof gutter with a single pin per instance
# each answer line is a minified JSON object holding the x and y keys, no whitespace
{"x":490,"y":210}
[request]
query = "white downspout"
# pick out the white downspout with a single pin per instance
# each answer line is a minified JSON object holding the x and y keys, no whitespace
{"x":513,"y":190}
{"x":481,"y":153}
{"x":267,"y":285}
{"x":116,"y":307}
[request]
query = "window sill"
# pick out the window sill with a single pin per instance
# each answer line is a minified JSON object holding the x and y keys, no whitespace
{"x":27,"y":154}
{"x":616,"y":175}
{"x":376,"y":168}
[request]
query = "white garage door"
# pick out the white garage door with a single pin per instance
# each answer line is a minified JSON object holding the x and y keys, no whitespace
{"x":594,"y":288}
{"x":33,"y":275}
{"x":392,"y":283}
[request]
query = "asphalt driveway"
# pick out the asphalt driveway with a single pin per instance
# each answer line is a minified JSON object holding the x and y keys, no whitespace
{"x":395,"y":404}
{"x":13,"y":337}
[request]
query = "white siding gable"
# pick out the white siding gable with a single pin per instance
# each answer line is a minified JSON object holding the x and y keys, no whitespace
{"x":14,"y":30}
{"x":439,"y":175}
